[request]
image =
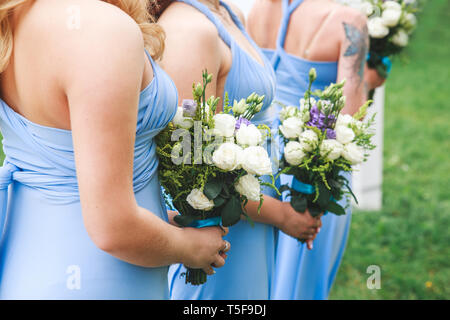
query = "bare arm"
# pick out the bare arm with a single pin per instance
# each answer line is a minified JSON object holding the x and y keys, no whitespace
{"x":352,"y":61}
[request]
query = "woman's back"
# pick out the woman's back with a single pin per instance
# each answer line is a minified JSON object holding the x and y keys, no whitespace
{"x":316,"y":32}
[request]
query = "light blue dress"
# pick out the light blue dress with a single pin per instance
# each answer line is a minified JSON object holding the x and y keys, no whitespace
{"x":45,"y":251}
{"x":248,"y":271}
{"x":300,"y":273}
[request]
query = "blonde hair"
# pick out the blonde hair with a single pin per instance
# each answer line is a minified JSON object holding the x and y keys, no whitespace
{"x":136,"y":9}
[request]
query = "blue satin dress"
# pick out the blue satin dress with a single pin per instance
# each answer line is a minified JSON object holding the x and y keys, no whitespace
{"x":302,"y":274}
{"x":45,"y":251}
{"x":249,"y":267}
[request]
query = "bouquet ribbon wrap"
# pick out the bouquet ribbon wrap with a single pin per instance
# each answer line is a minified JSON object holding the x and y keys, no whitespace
{"x":386,"y":61}
{"x":210,"y":222}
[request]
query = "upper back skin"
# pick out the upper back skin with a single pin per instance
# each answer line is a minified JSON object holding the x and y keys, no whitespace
{"x":44,"y":42}
{"x":265,"y":18}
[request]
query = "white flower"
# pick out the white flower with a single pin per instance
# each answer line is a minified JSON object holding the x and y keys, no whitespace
{"x":344,"y":134}
{"x":224,"y":124}
{"x":410,"y":20}
{"x":392,"y":5}
{"x":293,"y":153}
{"x":255,"y":160}
{"x":292,"y":127}
{"x":249,"y":186}
{"x":353,"y":153}
{"x":309,"y":140}
{"x":376,"y":28}
{"x":248,"y":135}
{"x":239,"y":107}
{"x":344,"y":120}
{"x":181,"y":121}
{"x":199,"y":201}
{"x":331,"y":149}
{"x":391,"y":17}
{"x":400,"y":38}
{"x":288,"y":112}
{"x":366,"y":8}
{"x":227,"y":156}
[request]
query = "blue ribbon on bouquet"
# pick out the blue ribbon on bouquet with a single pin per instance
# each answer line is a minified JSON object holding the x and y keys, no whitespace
{"x":305,"y":188}
{"x":386,"y":61}
{"x":210,"y":222}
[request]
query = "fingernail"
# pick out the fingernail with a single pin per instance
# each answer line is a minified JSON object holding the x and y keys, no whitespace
{"x":318,"y":230}
{"x":214,"y":272}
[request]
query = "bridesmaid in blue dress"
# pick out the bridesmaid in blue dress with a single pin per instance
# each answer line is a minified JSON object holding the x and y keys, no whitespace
{"x":208,"y":34}
{"x":81,"y":212}
{"x":299,"y":35}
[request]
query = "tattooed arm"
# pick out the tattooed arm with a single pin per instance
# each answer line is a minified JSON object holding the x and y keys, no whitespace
{"x":352,"y":59}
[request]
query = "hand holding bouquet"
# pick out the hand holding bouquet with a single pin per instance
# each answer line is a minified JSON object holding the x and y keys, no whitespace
{"x":320,"y":142}
{"x":211,"y":180}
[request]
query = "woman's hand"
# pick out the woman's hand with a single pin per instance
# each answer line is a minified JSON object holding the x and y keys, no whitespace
{"x":373,"y":79}
{"x":205,"y":248}
{"x":300,"y":225}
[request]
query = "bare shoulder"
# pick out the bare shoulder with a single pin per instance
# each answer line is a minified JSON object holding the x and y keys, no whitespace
{"x":185,"y":24}
{"x":237,"y":11}
{"x":70,"y":27}
{"x":346,"y":14}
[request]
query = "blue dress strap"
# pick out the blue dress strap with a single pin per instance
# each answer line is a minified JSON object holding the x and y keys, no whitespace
{"x":223,"y":33}
{"x":6,"y":178}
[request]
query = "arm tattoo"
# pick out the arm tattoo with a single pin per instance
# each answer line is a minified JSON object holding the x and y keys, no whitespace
{"x":358,"y":47}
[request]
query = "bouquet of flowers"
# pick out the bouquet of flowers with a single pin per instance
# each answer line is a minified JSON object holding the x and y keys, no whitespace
{"x":319,"y":144}
{"x":210,"y":180}
{"x":390,"y":25}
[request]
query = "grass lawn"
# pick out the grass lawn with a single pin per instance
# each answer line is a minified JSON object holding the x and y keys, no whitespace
{"x":409,"y":239}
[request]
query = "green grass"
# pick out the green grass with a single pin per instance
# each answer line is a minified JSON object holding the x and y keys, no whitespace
{"x":409,"y":239}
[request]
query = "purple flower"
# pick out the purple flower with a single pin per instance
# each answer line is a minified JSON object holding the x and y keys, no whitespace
{"x":319,"y":120}
{"x":189,"y":108}
{"x":331,"y":134}
{"x":241,"y":121}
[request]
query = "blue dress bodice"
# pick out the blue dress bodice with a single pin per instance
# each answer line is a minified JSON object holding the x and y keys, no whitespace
{"x":40,"y":213}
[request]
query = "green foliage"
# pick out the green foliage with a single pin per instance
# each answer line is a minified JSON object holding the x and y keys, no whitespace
{"x":409,"y":238}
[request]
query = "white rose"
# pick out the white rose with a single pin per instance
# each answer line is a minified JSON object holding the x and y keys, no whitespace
{"x":239,"y":107}
{"x":309,"y":140}
{"x":255,"y":160}
{"x":344,"y":120}
{"x":331,"y":148}
{"x":292,"y":127}
{"x":400,"y":38}
{"x":376,"y":28}
{"x":227,"y":156}
{"x":293,"y":153}
{"x":248,"y":135}
{"x":224,"y":124}
{"x":249,"y":186}
{"x":181,"y":121}
{"x":344,"y":134}
{"x":353,"y":153}
{"x":199,"y":201}
{"x":391,"y":17}
{"x":366,"y":8}
{"x":288,"y":112}
{"x":410,"y":20}
{"x":392,"y":5}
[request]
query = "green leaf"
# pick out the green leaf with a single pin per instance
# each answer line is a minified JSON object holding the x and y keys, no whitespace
{"x":184,"y":220}
{"x":212,"y":189}
{"x":299,"y":203}
{"x":335,"y":208}
{"x":315,"y":210}
{"x":231,"y":212}
{"x":219,"y":201}
{"x":324,"y":196}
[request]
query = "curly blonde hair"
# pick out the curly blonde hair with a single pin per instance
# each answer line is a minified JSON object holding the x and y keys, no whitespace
{"x":139,"y":10}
